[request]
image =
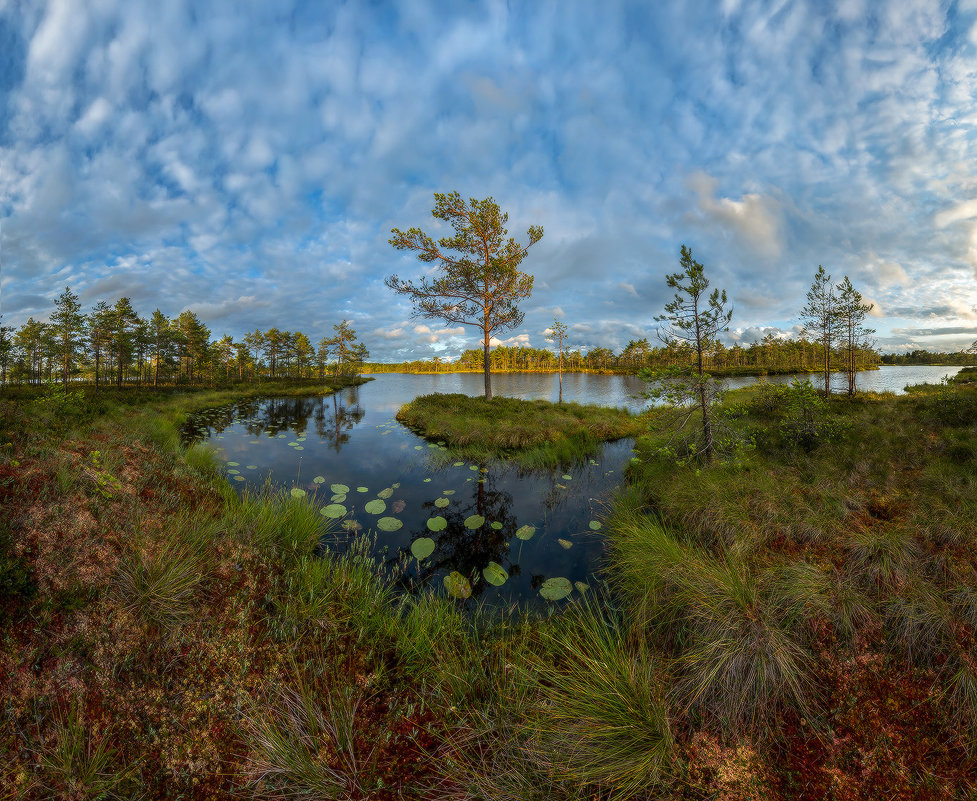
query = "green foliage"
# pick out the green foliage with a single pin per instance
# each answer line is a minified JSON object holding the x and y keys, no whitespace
{"x":800,"y":413}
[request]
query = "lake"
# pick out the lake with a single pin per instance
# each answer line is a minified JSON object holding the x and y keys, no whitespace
{"x":517,"y":537}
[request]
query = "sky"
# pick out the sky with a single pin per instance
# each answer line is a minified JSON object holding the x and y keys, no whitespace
{"x":247,"y":160}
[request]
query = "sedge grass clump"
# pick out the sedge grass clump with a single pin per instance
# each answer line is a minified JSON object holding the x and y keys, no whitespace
{"x":602,"y":720}
{"x":160,"y":580}
{"x":734,"y":631}
{"x":304,"y":744}
{"x":290,"y":527}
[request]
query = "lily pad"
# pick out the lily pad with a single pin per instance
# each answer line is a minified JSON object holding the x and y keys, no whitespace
{"x":362,"y":489}
{"x":497,"y":525}
{"x":457,"y":585}
{"x":334,"y":511}
{"x":319,"y":480}
{"x":389,"y":524}
{"x":297,"y":492}
{"x":396,"y":485}
{"x":233,"y":464}
{"x":422,"y":548}
{"x":233,"y":472}
{"x":386,"y":493}
{"x":427,"y":481}
{"x":240,"y":478}
{"x":567,"y":477}
{"x":565,"y":544}
{"x":375,"y":507}
{"x":495,"y":574}
{"x":339,"y":489}
{"x":437,"y":523}
{"x":525,"y":532}
{"x":458,"y":464}
{"x":581,"y":587}
{"x":473,"y":467}
{"x":351,"y":525}
{"x":556,"y":588}
{"x":293,"y":444}
{"x":339,"y":497}
{"x":299,"y":448}
{"x":251,"y":467}
{"x":474,"y":521}
{"x":448,"y":492}
{"x":441,"y":503}
{"x":418,"y":447}
{"x":595,"y":525}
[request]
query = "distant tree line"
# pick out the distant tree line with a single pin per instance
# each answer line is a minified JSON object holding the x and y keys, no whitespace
{"x":963,"y":358}
{"x":770,"y":355}
{"x":114,"y":345}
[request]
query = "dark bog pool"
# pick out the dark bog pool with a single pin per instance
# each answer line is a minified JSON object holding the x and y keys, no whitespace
{"x":513,"y":536}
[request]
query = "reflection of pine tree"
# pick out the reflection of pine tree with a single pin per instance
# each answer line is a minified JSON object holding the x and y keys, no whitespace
{"x":469,"y":550}
{"x":334,"y":429}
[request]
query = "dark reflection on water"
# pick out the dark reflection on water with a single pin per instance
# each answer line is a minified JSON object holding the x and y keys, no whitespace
{"x":351,"y":439}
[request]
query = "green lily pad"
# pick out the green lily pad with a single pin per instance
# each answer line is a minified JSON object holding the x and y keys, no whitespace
{"x":233,"y":464}
{"x":422,"y":548}
{"x":437,"y":523}
{"x":396,"y":485}
{"x":375,"y":507}
{"x":556,"y":588}
{"x":473,"y":467}
{"x":334,"y":511}
{"x":389,"y":524}
{"x":497,"y":525}
{"x":595,"y":525}
{"x":448,"y":492}
{"x":251,"y":467}
{"x":432,"y":445}
{"x":339,"y":489}
{"x":297,"y":492}
{"x":418,"y":447}
{"x":299,"y":448}
{"x":338,"y":498}
{"x":351,"y":525}
{"x":457,"y":585}
{"x":427,"y":481}
{"x":240,"y":478}
{"x":362,"y":489}
{"x":233,"y":472}
{"x":567,"y":477}
{"x":441,"y":503}
{"x":293,"y":444}
{"x":525,"y":532}
{"x":474,"y":521}
{"x":319,"y":480}
{"x":565,"y":544}
{"x":581,"y":587}
{"x":386,"y":493}
{"x":495,"y":574}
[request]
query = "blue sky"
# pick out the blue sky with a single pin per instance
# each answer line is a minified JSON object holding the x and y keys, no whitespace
{"x":247,"y":160}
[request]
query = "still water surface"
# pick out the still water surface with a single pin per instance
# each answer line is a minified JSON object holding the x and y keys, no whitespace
{"x":542,"y":528}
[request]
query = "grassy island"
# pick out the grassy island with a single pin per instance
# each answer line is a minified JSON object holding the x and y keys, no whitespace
{"x":534,"y":433}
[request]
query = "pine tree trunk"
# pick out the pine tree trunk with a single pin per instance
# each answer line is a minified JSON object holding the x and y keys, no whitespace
{"x":487,"y":368}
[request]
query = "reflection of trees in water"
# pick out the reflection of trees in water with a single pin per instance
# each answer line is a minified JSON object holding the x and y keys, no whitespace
{"x":469,"y":550}
{"x":333,"y":417}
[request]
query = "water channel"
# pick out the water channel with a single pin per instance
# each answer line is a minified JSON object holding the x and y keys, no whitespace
{"x":516,"y":537}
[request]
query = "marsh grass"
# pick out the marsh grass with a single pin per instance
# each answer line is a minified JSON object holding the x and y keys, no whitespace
{"x":161,"y":580}
{"x":304,"y":744}
{"x":534,"y":433}
{"x":81,"y":765}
